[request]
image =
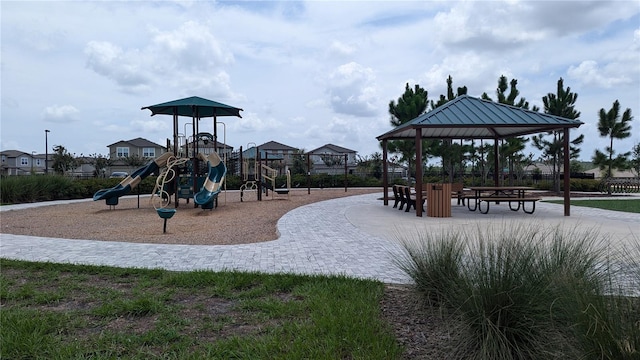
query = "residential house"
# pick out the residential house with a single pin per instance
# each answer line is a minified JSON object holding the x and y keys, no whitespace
{"x":278,"y":156}
{"x":120,"y":152}
{"x":16,"y":162}
{"x":276,"y":150}
{"x":397,"y":171}
{"x":330,"y":159}
{"x":207,"y":147}
{"x":626,"y":174}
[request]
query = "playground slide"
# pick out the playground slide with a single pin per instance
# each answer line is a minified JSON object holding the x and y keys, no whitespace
{"x":212,"y":185}
{"x":130,"y":182}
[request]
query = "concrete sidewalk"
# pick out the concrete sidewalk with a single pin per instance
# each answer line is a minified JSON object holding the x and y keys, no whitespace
{"x":354,"y":236}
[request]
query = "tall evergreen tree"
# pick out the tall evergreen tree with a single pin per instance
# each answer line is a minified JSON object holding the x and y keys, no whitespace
{"x":450,"y":153}
{"x":560,"y":104}
{"x":450,"y":95}
{"x":511,"y":149}
{"x":509,"y":98}
{"x":612,"y":126}
{"x":410,"y":105}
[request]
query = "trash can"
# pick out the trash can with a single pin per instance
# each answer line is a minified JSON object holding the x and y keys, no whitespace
{"x":439,"y":200}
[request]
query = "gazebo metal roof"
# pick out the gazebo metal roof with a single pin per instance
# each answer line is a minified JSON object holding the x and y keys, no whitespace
{"x":467,"y":117}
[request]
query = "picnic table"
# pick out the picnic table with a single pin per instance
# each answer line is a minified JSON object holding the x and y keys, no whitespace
{"x":497,"y":194}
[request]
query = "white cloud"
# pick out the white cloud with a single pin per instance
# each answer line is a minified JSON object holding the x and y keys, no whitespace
{"x":192,"y":46}
{"x":184,"y":57}
{"x":590,"y":73}
{"x":152,"y":126}
{"x":124,"y":68}
{"x":307,"y":73}
{"x":252,"y":122}
{"x":60,"y":113}
{"x":352,"y":90}
{"x":339,"y":48}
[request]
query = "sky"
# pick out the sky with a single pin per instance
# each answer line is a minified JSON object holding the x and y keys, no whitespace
{"x":305,"y":73}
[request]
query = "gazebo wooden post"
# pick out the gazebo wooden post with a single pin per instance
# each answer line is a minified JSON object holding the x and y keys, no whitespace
{"x":418,"y":141}
{"x":385,"y":174}
{"x":567,"y":174}
{"x":496,"y":162}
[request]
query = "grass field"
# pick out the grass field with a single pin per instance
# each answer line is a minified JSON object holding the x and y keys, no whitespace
{"x":54,"y":311}
{"x":632,"y":206}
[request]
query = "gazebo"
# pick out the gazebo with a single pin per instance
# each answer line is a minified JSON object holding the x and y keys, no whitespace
{"x":468,"y":117}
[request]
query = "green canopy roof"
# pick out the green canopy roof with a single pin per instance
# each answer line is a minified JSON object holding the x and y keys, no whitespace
{"x":467,"y":117}
{"x":195,"y":107}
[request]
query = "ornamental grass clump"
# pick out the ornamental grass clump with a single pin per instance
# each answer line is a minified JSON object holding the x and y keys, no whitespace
{"x":433,"y":262}
{"x":514,"y":289}
{"x":607,"y":322}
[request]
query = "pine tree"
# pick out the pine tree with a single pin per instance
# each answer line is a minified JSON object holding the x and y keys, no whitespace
{"x":560,"y":104}
{"x":450,"y":153}
{"x":511,"y":149}
{"x":612,"y":126}
{"x":410,"y":105}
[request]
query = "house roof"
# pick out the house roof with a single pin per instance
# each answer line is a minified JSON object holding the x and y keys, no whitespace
{"x":13,"y":153}
{"x":334,"y":148}
{"x":264,"y":154}
{"x":217,"y":144}
{"x":138,"y":142}
{"x":273,"y":145}
{"x":467,"y":117}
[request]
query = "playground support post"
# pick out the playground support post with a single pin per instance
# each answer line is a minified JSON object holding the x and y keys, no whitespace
{"x":308,"y":175}
{"x":259,"y":173}
{"x":46,"y":151}
{"x":346,"y":180}
{"x":346,"y":177}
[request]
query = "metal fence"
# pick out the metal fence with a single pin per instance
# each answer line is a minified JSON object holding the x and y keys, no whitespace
{"x":620,"y":186}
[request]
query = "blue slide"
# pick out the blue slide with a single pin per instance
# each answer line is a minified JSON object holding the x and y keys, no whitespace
{"x":130,"y":182}
{"x":212,"y":185}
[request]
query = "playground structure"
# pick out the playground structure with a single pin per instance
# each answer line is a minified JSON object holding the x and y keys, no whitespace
{"x":207,"y":197}
{"x":257,"y":176}
{"x":182,"y":175}
{"x":129,"y":183}
{"x":191,"y":175}
{"x":185,"y":174}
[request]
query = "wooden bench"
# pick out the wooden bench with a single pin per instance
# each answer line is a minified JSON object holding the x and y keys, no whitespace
{"x":396,"y":196}
{"x":489,"y":199}
{"x":401,"y":195}
{"x":457,"y":192}
{"x":410,"y":201}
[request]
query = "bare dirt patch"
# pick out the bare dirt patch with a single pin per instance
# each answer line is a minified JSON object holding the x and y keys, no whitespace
{"x":233,"y":222}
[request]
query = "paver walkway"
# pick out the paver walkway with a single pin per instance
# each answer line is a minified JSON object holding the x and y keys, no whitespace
{"x":315,"y":239}
{"x":354,"y":236}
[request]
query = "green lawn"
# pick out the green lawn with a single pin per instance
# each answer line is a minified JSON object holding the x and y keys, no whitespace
{"x":632,"y":206}
{"x":57,"y":311}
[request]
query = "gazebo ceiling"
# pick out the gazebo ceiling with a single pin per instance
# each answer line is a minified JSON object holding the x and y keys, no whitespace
{"x":467,"y":117}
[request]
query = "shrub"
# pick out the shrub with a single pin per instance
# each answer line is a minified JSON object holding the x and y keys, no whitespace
{"x":608,"y":320}
{"x":517,"y":289}
{"x":32,"y":188}
{"x":434,"y":262}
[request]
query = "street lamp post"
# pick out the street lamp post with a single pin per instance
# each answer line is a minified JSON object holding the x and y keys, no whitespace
{"x":46,"y":151}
